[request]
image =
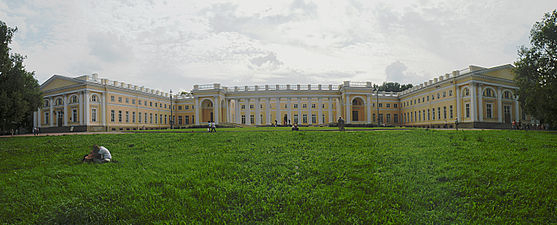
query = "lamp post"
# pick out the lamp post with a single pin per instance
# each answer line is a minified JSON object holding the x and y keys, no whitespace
{"x":171,"y":116}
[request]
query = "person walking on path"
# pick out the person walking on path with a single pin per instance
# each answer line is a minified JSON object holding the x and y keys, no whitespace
{"x":213,"y":127}
{"x":340,"y":124}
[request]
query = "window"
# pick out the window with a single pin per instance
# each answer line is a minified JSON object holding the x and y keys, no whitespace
{"x":489,"y":111}
{"x":251,"y":106}
{"x":395,"y":105}
{"x":388,"y":105}
{"x":380,"y":118}
{"x":304,"y":106}
{"x":73,"y":99}
{"x":304,"y":118}
{"x":127,"y":116}
{"x":46,"y":103}
{"x":180,"y":120}
{"x":313,"y":118}
{"x":112,"y":98}
{"x":243,"y":119}
{"x":151,"y":104}
{"x":165,"y":119}
{"x":145,"y":121}
{"x":156,"y":104}
{"x":433,"y":113}
{"x":489,"y":92}
{"x":507,"y":95}
{"x":295,"y":106}
{"x":444,"y":94}
{"x":419,"y":100}
{"x":466,"y":92}
{"x":119,"y":99}
{"x":139,"y":102}
{"x":93,"y":115}
{"x":438,"y":96}
{"x":388,"y":118}
{"x":112,"y":115}
{"x":94,"y":98}
{"x":133,"y":101}
{"x":438,"y":113}
{"x":374,"y":117}
{"x":445,"y":112}
{"x":139,"y":118}
{"x":419,"y":115}
{"x":286,"y":106}
{"x":432,"y":97}
{"x":59,"y":101}
{"x":295,"y":118}
{"x":450,"y":92}
{"x":156,"y":118}
{"x":423,"y":113}
{"x":165,"y":106}
{"x":160,"y":119}
{"x":74,"y":115}
{"x":252,"y":119}
{"x":395,"y":118}
{"x":468,"y":110}
{"x":243,"y":106}
{"x":428,"y":115}
{"x":46,"y":118}
{"x":120,"y":116}
{"x":380,"y":105}
{"x":428,"y":98}
{"x":261,"y":106}
{"x":187,"y":119}
{"x":179,"y":107}
{"x":323,"y":118}
{"x":133,"y":117}
{"x":151,"y":118}
{"x":313,"y":106}
{"x":187,"y":107}
{"x":451,"y":111}
{"x":145,"y":103}
{"x":261,"y":118}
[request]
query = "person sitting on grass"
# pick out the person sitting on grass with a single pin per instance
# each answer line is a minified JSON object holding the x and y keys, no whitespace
{"x":295,"y":127}
{"x":98,"y":154}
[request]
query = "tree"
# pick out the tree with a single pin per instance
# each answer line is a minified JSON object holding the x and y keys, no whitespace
{"x":19,"y":90}
{"x":393,"y":87}
{"x":536,"y":71}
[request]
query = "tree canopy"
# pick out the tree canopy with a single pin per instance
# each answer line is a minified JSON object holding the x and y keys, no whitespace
{"x":19,"y":90}
{"x":392,"y":86}
{"x":536,"y":71}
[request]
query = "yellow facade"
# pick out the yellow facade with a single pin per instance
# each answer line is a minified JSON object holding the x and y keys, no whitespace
{"x":475,"y":97}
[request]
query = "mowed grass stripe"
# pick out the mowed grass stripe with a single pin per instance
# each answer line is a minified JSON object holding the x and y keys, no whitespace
{"x":414,"y":176}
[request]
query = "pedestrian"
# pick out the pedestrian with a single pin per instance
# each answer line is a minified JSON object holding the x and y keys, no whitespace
{"x":209,"y":126}
{"x":514,"y":124}
{"x":213,"y":127}
{"x":456,"y":124}
{"x":276,"y":123}
{"x":340,"y":124}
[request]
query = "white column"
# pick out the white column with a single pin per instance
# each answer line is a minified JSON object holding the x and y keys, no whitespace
{"x":277,"y":113}
{"x":86,"y":108}
{"x":309,"y":112}
{"x":347,"y":108}
{"x":480,"y":104}
{"x":516,"y":110}
{"x":300,"y":110}
{"x":196,"y":111}
{"x":289,"y":111}
{"x":368,"y":104}
{"x":237,"y":115}
{"x":338,"y":108}
{"x":268,"y":111}
{"x":81,"y":108}
{"x":330,"y":111}
{"x":319,"y":111}
{"x":103,"y":110}
{"x":257,"y":112}
{"x":216,"y":110}
{"x":499,"y":106}
{"x":65,"y":98}
{"x":227,"y":110}
{"x":39,"y":116}
{"x":473,"y":102}
{"x":51,"y":114}
{"x":457,"y":91}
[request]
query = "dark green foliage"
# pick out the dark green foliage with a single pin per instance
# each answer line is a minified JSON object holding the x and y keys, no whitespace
{"x":536,"y":71}
{"x":374,"y":177}
{"x":19,"y":90}
{"x":392,"y":87}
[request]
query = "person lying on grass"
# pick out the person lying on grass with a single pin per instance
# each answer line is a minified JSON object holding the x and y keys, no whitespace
{"x":98,"y":154}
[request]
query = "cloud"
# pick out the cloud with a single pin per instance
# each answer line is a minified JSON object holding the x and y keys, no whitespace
{"x":397,"y":72}
{"x":109,"y":47}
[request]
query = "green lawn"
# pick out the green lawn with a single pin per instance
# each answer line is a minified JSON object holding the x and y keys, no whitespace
{"x":401,"y":177}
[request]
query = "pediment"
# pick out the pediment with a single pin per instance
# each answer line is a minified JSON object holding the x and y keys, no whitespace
{"x":56,"y":82}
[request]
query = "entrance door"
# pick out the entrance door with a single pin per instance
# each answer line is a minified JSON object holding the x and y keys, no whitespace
{"x":507,"y":110}
{"x":355,"y":116}
{"x":60,"y":118}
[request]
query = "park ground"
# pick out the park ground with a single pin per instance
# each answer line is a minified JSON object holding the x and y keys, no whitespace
{"x":413,"y":176}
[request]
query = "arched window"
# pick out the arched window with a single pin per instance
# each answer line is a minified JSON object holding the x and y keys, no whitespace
{"x":466,"y":92}
{"x":488,"y":92}
{"x":357,"y":101}
{"x":73,"y":99}
{"x":507,"y":95}
{"x":94,"y":98}
{"x":59,"y":101}
{"x":46,"y":103}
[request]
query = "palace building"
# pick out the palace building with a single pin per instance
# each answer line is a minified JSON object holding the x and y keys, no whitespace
{"x":476,"y":97}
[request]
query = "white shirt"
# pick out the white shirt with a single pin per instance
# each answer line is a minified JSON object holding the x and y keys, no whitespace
{"x":104,"y":153}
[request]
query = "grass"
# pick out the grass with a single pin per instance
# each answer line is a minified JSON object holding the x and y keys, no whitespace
{"x":280,"y":128}
{"x":400,"y":177}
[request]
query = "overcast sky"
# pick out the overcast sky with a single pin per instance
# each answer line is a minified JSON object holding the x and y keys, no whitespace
{"x":175,"y":44}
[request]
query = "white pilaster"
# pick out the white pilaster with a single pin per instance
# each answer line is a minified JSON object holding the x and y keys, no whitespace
{"x":86,"y":109}
{"x":347,"y":108}
{"x":257,"y":112}
{"x":319,"y":111}
{"x":330,"y":111}
{"x":289,"y":111}
{"x":268,"y":111}
{"x":277,"y":112}
{"x":516,"y":110}
{"x":499,"y":106}
{"x":480,"y":103}
{"x":81,"y":108}
{"x":368,"y":104}
{"x":473,"y":102}
{"x":51,"y":114}
{"x":196,"y":111}
{"x":237,"y":114}
{"x":39,"y":116}
{"x":65,"y":99}
{"x":309,"y":112}
{"x":300,"y":110}
{"x":104,"y":98}
{"x":457,"y":91}
{"x":216,"y":109}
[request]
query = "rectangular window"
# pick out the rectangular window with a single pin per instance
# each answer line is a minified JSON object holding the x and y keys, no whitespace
{"x":120,"y":116}
{"x":380,"y":118}
{"x":444,"y":94}
{"x":112,"y":98}
{"x":74,"y":115}
{"x":139,"y":118}
{"x":133,"y":101}
{"x":127,"y":116}
{"x":445,"y":112}
{"x":396,"y":105}
{"x":243,"y":106}
{"x":489,"y":111}
{"x":160,"y":119}
{"x":295,"y":106}
{"x":380,"y":105}
{"x":133,"y":117}
{"x":451,"y":111}
{"x":467,"y":110}
{"x":156,"y":118}
{"x":295,"y":118}
{"x":313,"y":106}
{"x":165,"y":116}
{"x":119,"y":99}
{"x":419,"y":115}
{"x":145,"y":121}
{"x":374,"y":119}
{"x":251,"y":106}
{"x":179,"y":107}
{"x":93,"y":115}
{"x":156,"y":104}
{"x":187,"y":119}
{"x":313,"y":118}
{"x":180,"y":120}
{"x":243,"y":119}
{"x":450,"y":92}
{"x":139,"y":102}
{"x":151,"y":104}
{"x":388,"y":118}
{"x":438,"y":113}
{"x":388,"y":105}
{"x":151,"y":118}
{"x":428,"y":115}
{"x":304,"y":106}
{"x":112,"y":115}
{"x":286,"y":106}
{"x":127,"y":100}
{"x":261,"y":118}
{"x":433,"y":113}
{"x":145,"y":103}
{"x":395,"y":118}
{"x":46,"y":118}
{"x":252,"y":119}
{"x":187,"y":107}
{"x":304,"y":118}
